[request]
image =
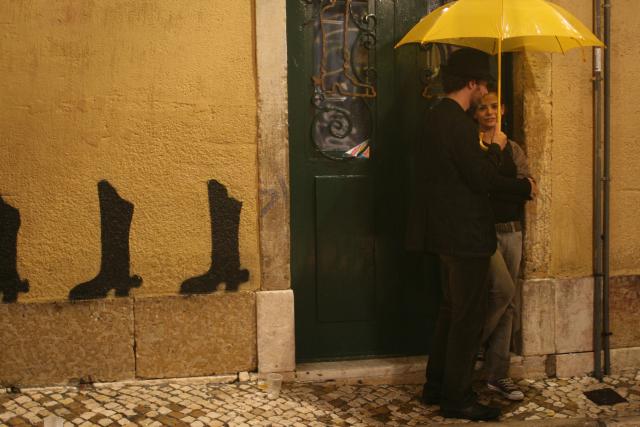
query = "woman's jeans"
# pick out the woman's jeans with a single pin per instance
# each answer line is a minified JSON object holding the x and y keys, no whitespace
{"x":503,"y":318}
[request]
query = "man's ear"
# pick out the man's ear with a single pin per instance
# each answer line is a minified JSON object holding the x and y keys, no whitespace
{"x":471,"y":84}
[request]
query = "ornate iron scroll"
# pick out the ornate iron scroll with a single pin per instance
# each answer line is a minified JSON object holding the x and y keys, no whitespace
{"x":343,"y":77}
{"x":429,"y":58}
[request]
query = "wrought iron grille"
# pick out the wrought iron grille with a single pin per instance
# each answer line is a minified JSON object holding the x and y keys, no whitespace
{"x":429,"y":58}
{"x":343,"y":78}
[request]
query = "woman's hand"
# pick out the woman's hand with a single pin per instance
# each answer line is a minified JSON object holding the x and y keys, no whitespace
{"x":500,"y":138}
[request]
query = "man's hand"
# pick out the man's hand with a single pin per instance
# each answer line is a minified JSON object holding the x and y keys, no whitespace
{"x":534,"y":188}
{"x":500,"y":138}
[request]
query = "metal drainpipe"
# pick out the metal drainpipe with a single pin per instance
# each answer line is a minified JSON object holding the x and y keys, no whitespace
{"x":597,"y":195}
{"x":607,"y":181}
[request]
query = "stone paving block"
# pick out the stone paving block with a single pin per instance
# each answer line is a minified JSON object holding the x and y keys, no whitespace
{"x":625,"y":358}
{"x":574,"y":315}
{"x":538,"y":317}
{"x":573,"y":364}
{"x":183,"y":336}
{"x":624,"y":300}
{"x":402,"y":370}
{"x":61,"y":342}
{"x":532,"y":367}
{"x":550,"y":401}
{"x":276,"y":338}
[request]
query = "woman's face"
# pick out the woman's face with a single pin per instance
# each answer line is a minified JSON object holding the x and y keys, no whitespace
{"x":487,"y":111}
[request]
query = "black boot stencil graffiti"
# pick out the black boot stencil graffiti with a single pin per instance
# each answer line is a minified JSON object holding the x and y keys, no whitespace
{"x":225,"y":251}
{"x":10,"y":283}
{"x":115,"y":224}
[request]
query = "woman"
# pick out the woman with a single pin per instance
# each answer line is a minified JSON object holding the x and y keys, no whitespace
{"x":503,"y":318}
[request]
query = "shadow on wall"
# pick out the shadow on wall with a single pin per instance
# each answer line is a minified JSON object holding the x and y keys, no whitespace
{"x":115,"y":224}
{"x":225,"y":252}
{"x":116,"y":215}
{"x":10,"y":283}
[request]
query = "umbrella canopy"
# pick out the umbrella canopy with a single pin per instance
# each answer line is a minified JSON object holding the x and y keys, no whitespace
{"x":518,"y":24}
{"x":496,"y":26}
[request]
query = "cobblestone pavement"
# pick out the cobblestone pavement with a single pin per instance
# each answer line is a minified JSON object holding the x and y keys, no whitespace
{"x":184,"y":403}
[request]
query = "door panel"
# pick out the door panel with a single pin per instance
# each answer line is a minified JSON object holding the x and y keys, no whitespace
{"x":345,"y":249}
{"x":355,"y":107}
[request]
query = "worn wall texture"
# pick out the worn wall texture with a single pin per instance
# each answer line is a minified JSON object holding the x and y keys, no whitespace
{"x":555,"y":111}
{"x":154,"y":97}
{"x":128,"y":134}
{"x":625,"y":150}
{"x":557,"y":116}
{"x":572,"y":154}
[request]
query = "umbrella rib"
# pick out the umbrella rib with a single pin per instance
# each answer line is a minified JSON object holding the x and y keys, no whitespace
{"x":584,"y":56}
{"x":560,"y":45}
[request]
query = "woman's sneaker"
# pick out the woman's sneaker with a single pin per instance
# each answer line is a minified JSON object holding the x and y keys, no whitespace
{"x":506,"y":388}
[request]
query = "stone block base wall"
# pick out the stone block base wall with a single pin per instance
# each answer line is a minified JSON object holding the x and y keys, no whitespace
{"x":200,"y":335}
{"x":557,"y":316}
{"x":127,"y":338}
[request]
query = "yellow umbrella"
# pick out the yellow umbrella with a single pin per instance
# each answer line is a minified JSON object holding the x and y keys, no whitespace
{"x":496,"y":26}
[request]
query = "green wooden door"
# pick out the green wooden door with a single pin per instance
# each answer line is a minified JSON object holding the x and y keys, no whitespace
{"x":355,"y":106}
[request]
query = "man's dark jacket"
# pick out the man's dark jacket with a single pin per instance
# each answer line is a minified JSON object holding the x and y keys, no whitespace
{"x":450,"y":211}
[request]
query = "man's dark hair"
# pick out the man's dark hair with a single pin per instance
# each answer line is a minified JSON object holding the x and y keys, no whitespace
{"x":451,"y":83}
{"x":463,"y":66}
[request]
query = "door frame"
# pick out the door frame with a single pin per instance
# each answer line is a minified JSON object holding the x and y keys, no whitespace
{"x":275,"y":303}
{"x":274,"y":300}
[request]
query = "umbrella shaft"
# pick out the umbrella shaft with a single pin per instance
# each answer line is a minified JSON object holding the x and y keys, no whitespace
{"x":499,"y":118}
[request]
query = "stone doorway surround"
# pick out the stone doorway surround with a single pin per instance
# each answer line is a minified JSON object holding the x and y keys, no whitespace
{"x":553,"y":344}
{"x":275,"y":319}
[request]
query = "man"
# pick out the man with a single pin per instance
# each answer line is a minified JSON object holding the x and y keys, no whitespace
{"x":451,"y":216}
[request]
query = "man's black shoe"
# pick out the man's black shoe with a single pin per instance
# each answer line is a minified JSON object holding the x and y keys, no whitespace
{"x":473,"y":412}
{"x":430,"y":399}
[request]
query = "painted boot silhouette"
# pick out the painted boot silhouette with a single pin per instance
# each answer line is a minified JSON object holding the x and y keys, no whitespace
{"x":10,"y":283}
{"x":225,"y":252}
{"x":115,"y":223}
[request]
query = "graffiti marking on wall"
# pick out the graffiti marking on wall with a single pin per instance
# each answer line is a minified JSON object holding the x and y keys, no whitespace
{"x":10,"y":283}
{"x":225,"y":251}
{"x":271,"y":196}
{"x":115,"y":224}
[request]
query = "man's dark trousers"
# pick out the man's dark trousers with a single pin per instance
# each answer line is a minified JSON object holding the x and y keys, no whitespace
{"x":458,"y":331}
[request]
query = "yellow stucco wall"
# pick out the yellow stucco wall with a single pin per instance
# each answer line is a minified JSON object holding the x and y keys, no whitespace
{"x":571,"y":156}
{"x":572,"y":149}
{"x":155,"y":96}
{"x":625,"y":141}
